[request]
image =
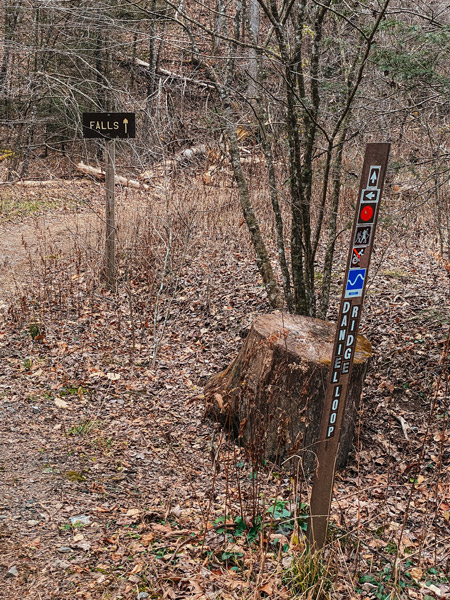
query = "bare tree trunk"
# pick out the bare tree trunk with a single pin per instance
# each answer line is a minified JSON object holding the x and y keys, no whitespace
{"x":262,"y":257}
{"x":28,"y":143}
{"x":99,"y":69}
{"x":437,"y":200}
{"x":310,"y":121}
{"x":35,"y":66}
{"x":11,"y":17}
{"x":152,"y":59}
{"x":219,"y":22}
{"x":266,"y":143}
{"x":253,"y":21}
{"x":328,"y":261}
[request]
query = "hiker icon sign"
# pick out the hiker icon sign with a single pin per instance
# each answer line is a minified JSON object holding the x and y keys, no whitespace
{"x":355,"y":283}
{"x":362,"y":235}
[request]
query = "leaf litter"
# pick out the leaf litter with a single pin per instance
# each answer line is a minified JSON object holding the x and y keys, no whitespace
{"x":93,"y":426}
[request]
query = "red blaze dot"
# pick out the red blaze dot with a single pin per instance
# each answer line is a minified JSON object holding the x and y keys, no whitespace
{"x":367,"y":213}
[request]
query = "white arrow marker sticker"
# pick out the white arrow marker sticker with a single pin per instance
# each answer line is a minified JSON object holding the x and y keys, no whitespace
{"x":369,"y":195}
{"x":374,"y":175}
{"x":125,"y":122}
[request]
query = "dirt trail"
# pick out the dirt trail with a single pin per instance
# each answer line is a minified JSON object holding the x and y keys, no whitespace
{"x":26,"y":494}
{"x":30,"y":496}
{"x":108,"y":470}
{"x":77,"y":442}
{"x":23,"y":244}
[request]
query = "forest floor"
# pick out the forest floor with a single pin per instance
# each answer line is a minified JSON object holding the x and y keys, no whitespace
{"x":112,"y":483}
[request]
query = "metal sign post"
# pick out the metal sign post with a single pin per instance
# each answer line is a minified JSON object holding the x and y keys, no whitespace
{"x":371,"y":187}
{"x":109,"y":126}
{"x":110,"y":243}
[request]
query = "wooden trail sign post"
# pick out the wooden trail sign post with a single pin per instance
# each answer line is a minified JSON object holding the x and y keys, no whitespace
{"x":109,"y":126}
{"x":363,"y":233}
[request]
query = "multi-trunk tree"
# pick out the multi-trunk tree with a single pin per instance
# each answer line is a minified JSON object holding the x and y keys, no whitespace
{"x":301,"y":76}
{"x":302,"y":64}
{"x":304,"y":80}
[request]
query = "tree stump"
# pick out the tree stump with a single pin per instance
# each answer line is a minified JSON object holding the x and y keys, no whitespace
{"x":271,"y":396}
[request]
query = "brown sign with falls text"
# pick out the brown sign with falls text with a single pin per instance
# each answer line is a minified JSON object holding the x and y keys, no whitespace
{"x":109,"y":126}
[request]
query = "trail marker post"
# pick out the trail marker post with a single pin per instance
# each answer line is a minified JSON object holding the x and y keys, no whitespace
{"x":109,"y":126}
{"x":363,"y":233}
{"x":110,"y":241}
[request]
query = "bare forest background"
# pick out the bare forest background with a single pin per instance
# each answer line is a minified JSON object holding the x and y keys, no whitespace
{"x":292,"y":86}
{"x":236,"y":197}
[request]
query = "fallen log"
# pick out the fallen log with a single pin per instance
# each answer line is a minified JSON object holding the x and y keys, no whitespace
{"x":119,"y":180}
{"x":144,"y":68}
{"x":271,"y":396}
{"x":89,"y":170}
{"x":35,"y":183}
{"x":182,"y":159}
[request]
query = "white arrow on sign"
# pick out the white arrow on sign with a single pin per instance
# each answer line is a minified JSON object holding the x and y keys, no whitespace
{"x":370,"y":195}
{"x":125,"y":122}
{"x":374,"y":175}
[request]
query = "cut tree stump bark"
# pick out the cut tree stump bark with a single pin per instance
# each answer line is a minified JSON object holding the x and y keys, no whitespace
{"x":271,"y":396}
